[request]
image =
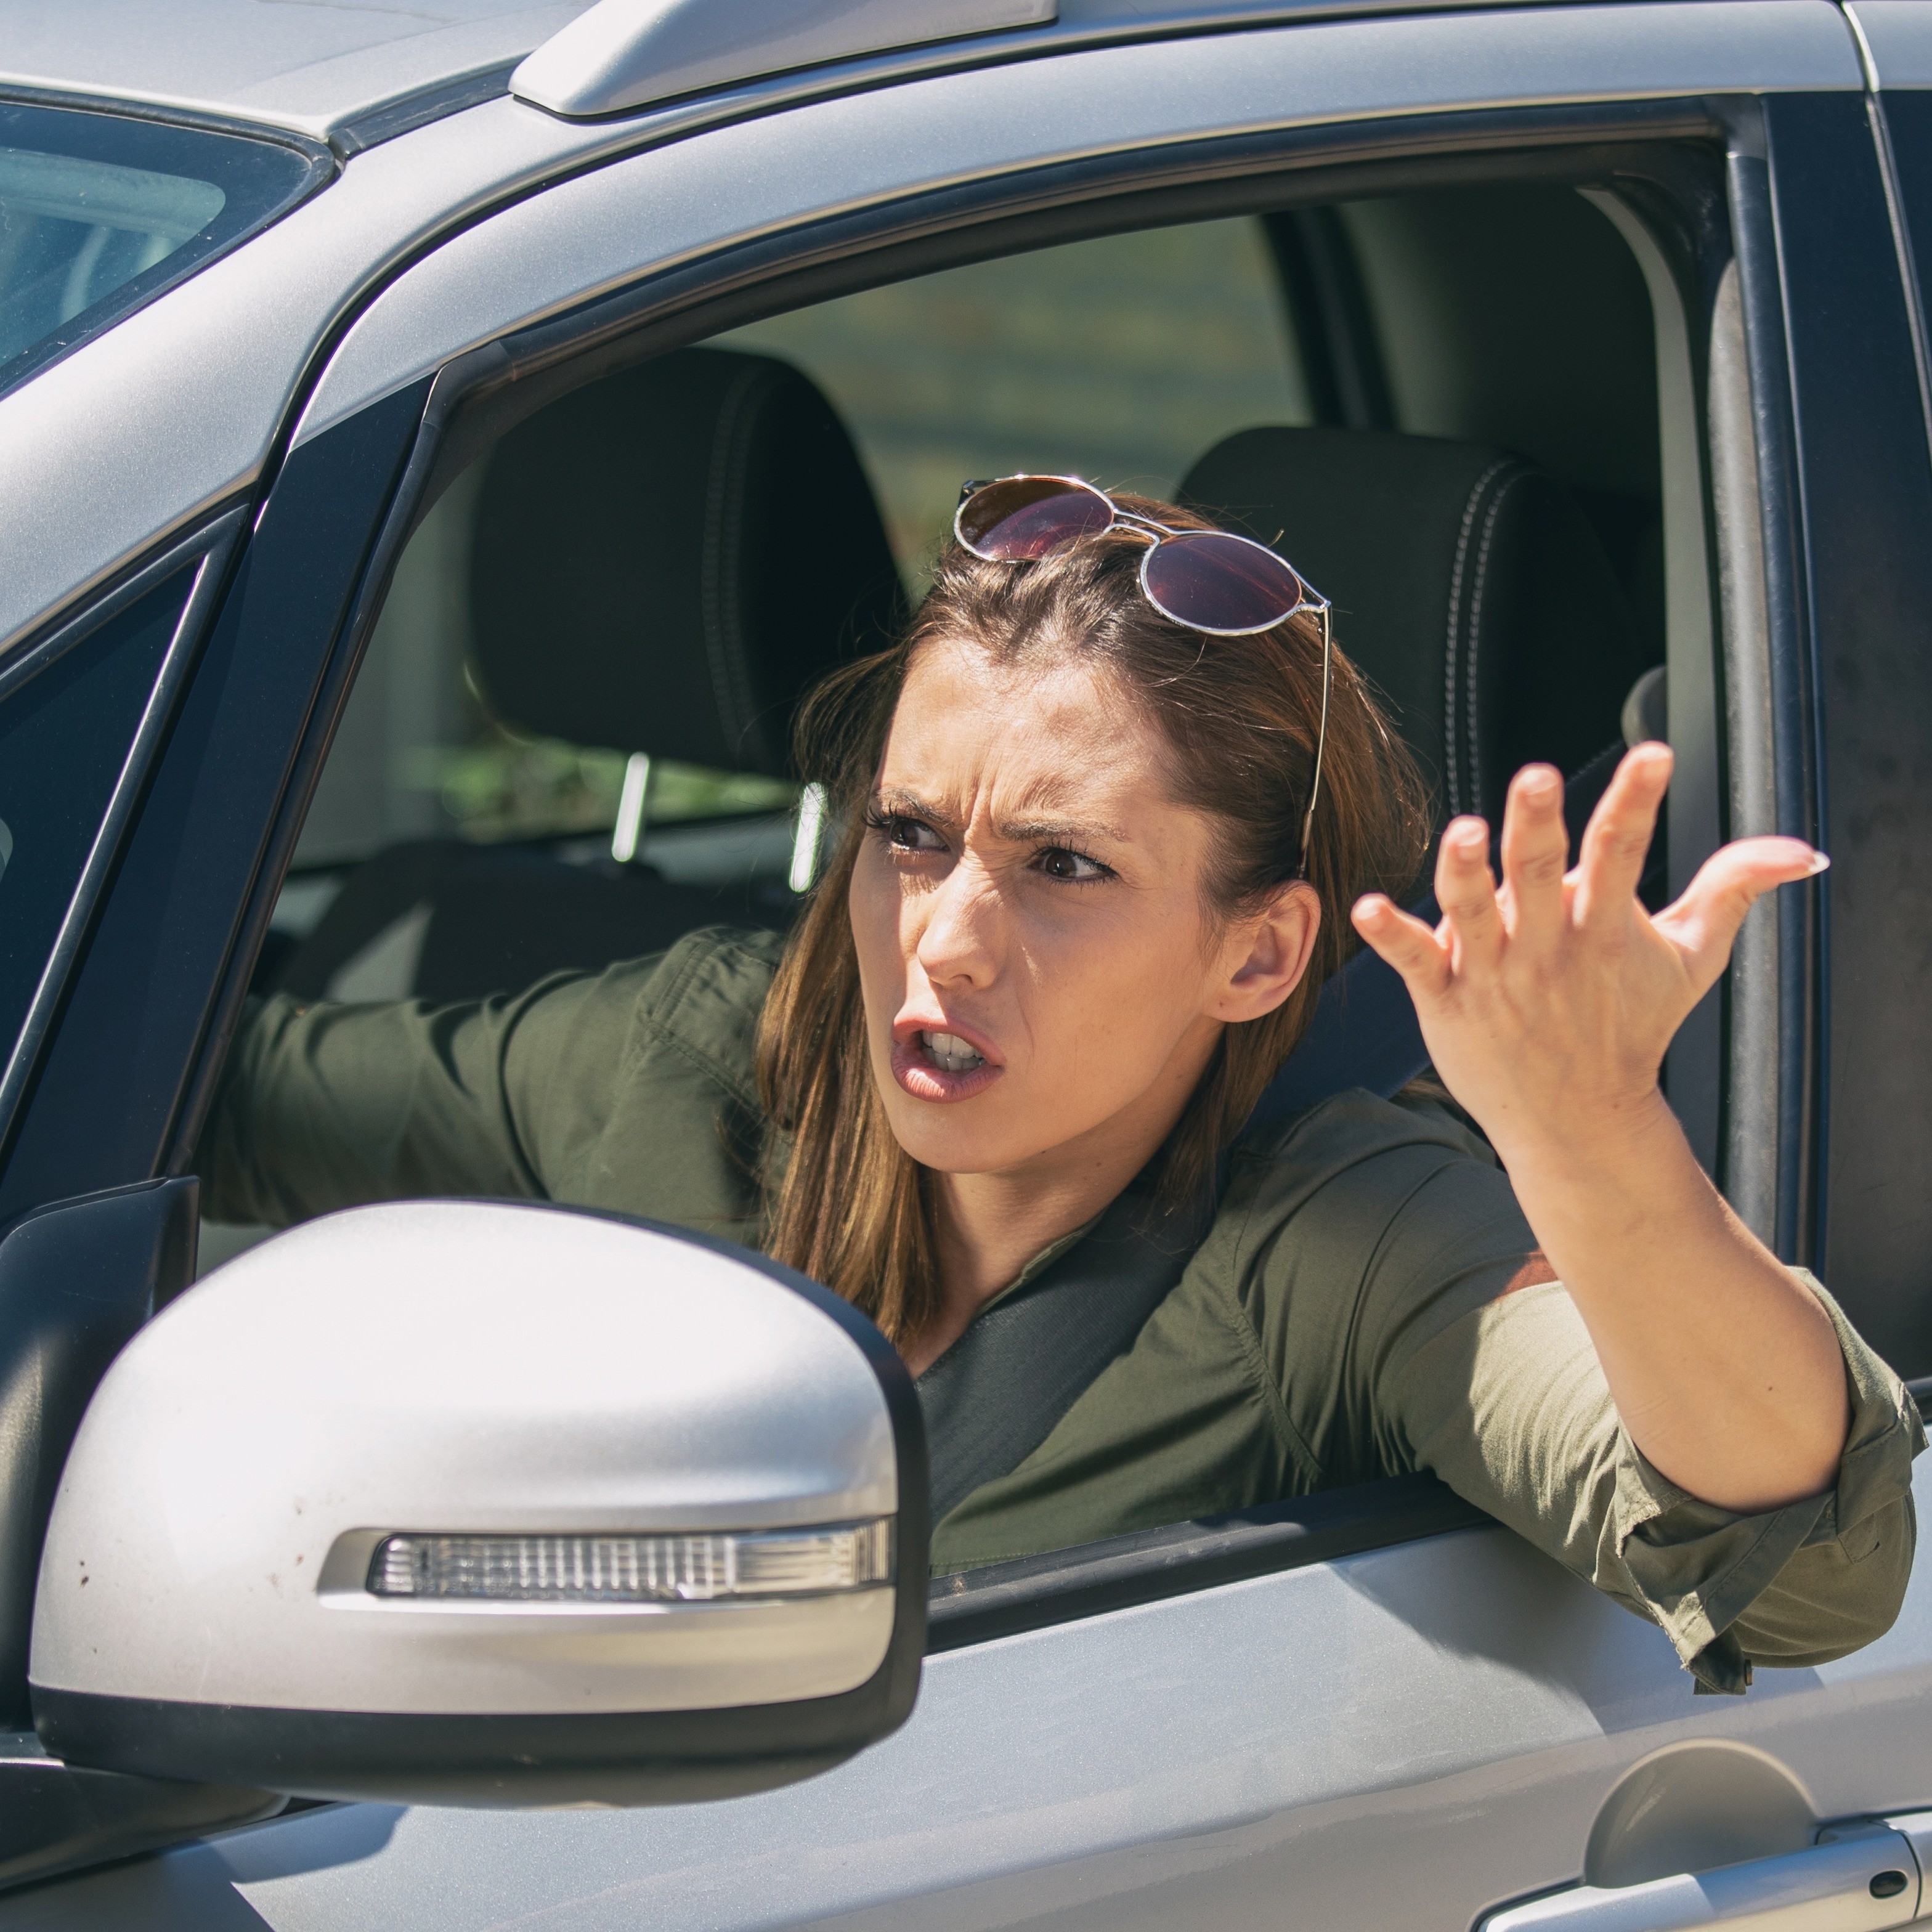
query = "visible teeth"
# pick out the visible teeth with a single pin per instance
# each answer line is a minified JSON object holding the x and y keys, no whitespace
{"x":952,"y":1053}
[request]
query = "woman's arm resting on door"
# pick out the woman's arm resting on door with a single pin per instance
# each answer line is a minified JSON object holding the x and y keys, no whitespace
{"x":1507,"y":1403}
{"x":1546,"y":1006}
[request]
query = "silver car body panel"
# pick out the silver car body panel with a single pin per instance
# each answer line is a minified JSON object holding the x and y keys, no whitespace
{"x":655,"y":210}
{"x":1253,"y":1755}
{"x":1899,"y":33}
{"x":319,"y":66}
{"x":179,"y":407}
{"x":310,"y":68}
{"x":623,"y":53}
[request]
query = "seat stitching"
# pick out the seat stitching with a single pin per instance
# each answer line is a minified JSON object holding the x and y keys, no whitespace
{"x":723,"y":618}
{"x":1476,"y":626}
{"x":1450,"y":707}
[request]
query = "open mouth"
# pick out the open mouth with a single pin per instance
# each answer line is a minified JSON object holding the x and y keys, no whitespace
{"x":935,"y":1064}
{"x":950,"y":1054}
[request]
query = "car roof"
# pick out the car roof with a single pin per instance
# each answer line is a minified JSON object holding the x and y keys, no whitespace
{"x":313,"y":66}
{"x":355,"y":72}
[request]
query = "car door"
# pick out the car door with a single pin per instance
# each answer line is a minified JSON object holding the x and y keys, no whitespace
{"x":1367,"y":1707}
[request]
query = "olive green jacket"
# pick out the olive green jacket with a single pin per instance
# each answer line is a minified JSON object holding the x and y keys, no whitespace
{"x":1348,"y":1317}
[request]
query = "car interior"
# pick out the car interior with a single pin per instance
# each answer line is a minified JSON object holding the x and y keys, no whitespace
{"x":567,"y":742}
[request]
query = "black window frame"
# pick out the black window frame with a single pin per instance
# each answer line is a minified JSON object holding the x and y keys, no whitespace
{"x":1863,"y":455}
{"x":206,"y":553}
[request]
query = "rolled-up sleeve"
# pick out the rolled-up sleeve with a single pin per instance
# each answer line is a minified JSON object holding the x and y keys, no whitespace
{"x":1508,"y":1405}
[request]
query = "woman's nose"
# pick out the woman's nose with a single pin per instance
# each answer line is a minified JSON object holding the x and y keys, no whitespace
{"x":957,"y":934}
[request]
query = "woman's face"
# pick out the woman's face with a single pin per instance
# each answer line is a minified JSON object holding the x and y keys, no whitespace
{"x":1042,"y":976}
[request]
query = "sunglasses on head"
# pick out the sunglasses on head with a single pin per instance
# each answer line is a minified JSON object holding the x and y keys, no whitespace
{"x":1207,"y":580}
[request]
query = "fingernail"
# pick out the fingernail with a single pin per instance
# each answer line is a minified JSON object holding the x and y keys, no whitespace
{"x":1470,"y":838}
{"x":1818,"y":863}
{"x":1539,"y":788}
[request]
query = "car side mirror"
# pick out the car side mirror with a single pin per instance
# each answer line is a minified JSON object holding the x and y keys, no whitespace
{"x":488,"y":1503}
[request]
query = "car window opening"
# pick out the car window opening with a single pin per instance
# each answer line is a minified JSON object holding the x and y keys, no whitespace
{"x":568,"y":749}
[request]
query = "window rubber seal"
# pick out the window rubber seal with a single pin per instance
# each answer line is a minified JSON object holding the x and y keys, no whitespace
{"x":1031,"y":1593}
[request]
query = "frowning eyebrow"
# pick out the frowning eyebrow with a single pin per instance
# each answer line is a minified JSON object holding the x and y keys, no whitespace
{"x":1057,"y":832}
{"x":1015,"y":831}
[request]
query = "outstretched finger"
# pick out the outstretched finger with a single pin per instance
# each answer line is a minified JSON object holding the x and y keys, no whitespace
{"x":1536,"y":850}
{"x":1466,"y":892}
{"x":1406,"y":944}
{"x":1617,"y":840}
{"x":1703,"y":921}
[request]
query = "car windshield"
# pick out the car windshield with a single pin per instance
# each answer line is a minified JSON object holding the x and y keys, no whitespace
{"x":99,"y":213}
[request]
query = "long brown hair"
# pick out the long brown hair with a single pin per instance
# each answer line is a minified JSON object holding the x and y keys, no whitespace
{"x":844,"y":1203}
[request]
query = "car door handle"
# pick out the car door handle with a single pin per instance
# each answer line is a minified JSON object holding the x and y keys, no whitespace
{"x":1865,"y":1879}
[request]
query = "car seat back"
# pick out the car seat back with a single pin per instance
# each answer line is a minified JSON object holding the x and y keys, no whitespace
{"x":665,"y":560}
{"x":1467,"y":584}
{"x":662,"y":562}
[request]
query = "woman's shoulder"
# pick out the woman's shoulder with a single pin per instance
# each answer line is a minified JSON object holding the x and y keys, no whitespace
{"x":1345,"y":1175}
{"x":637,"y":1087}
{"x":1349,"y":1235}
{"x":717,"y":969}
{"x":704,"y":995}
{"x":1355,"y":1127}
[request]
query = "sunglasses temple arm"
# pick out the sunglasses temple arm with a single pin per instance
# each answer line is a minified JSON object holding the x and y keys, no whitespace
{"x":1321,"y":738}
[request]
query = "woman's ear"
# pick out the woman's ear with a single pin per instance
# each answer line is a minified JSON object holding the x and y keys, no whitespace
{"x":1265,"y":955}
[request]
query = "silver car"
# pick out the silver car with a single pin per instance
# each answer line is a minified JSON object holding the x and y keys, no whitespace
{"x":350,"y":357}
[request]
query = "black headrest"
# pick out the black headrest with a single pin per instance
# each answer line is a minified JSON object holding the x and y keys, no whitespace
{"x":663,"y":561}
{"x":1466,"y":583}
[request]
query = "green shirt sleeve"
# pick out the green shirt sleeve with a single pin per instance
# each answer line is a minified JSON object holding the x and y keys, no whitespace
{"x":1378,"y":1271}
{"x":1507,"y":1403}
{"x":323,"y":1106}
{"x":632,"y":1088}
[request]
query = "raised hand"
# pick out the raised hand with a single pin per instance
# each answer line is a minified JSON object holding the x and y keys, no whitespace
{"x":1546,"y":1005}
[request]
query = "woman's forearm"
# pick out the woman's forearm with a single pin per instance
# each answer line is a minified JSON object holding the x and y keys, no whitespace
{"x":1724,"y":1367}
{"x":1547,"y":1005}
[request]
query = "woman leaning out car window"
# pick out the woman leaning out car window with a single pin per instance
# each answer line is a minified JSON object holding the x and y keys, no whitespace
{"x":1113,"y":809}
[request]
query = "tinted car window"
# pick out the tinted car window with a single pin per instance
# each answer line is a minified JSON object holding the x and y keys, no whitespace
{"x":66,"y":723}
{"x":99,"y":214}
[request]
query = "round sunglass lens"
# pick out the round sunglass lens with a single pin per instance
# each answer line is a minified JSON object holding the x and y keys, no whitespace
{"x":1212,"y":582}
{"x":1027,"y":516}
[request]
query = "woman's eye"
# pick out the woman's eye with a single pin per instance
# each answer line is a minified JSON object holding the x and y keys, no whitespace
{"x":1057,"y":863}
{"x":910,"y":835}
